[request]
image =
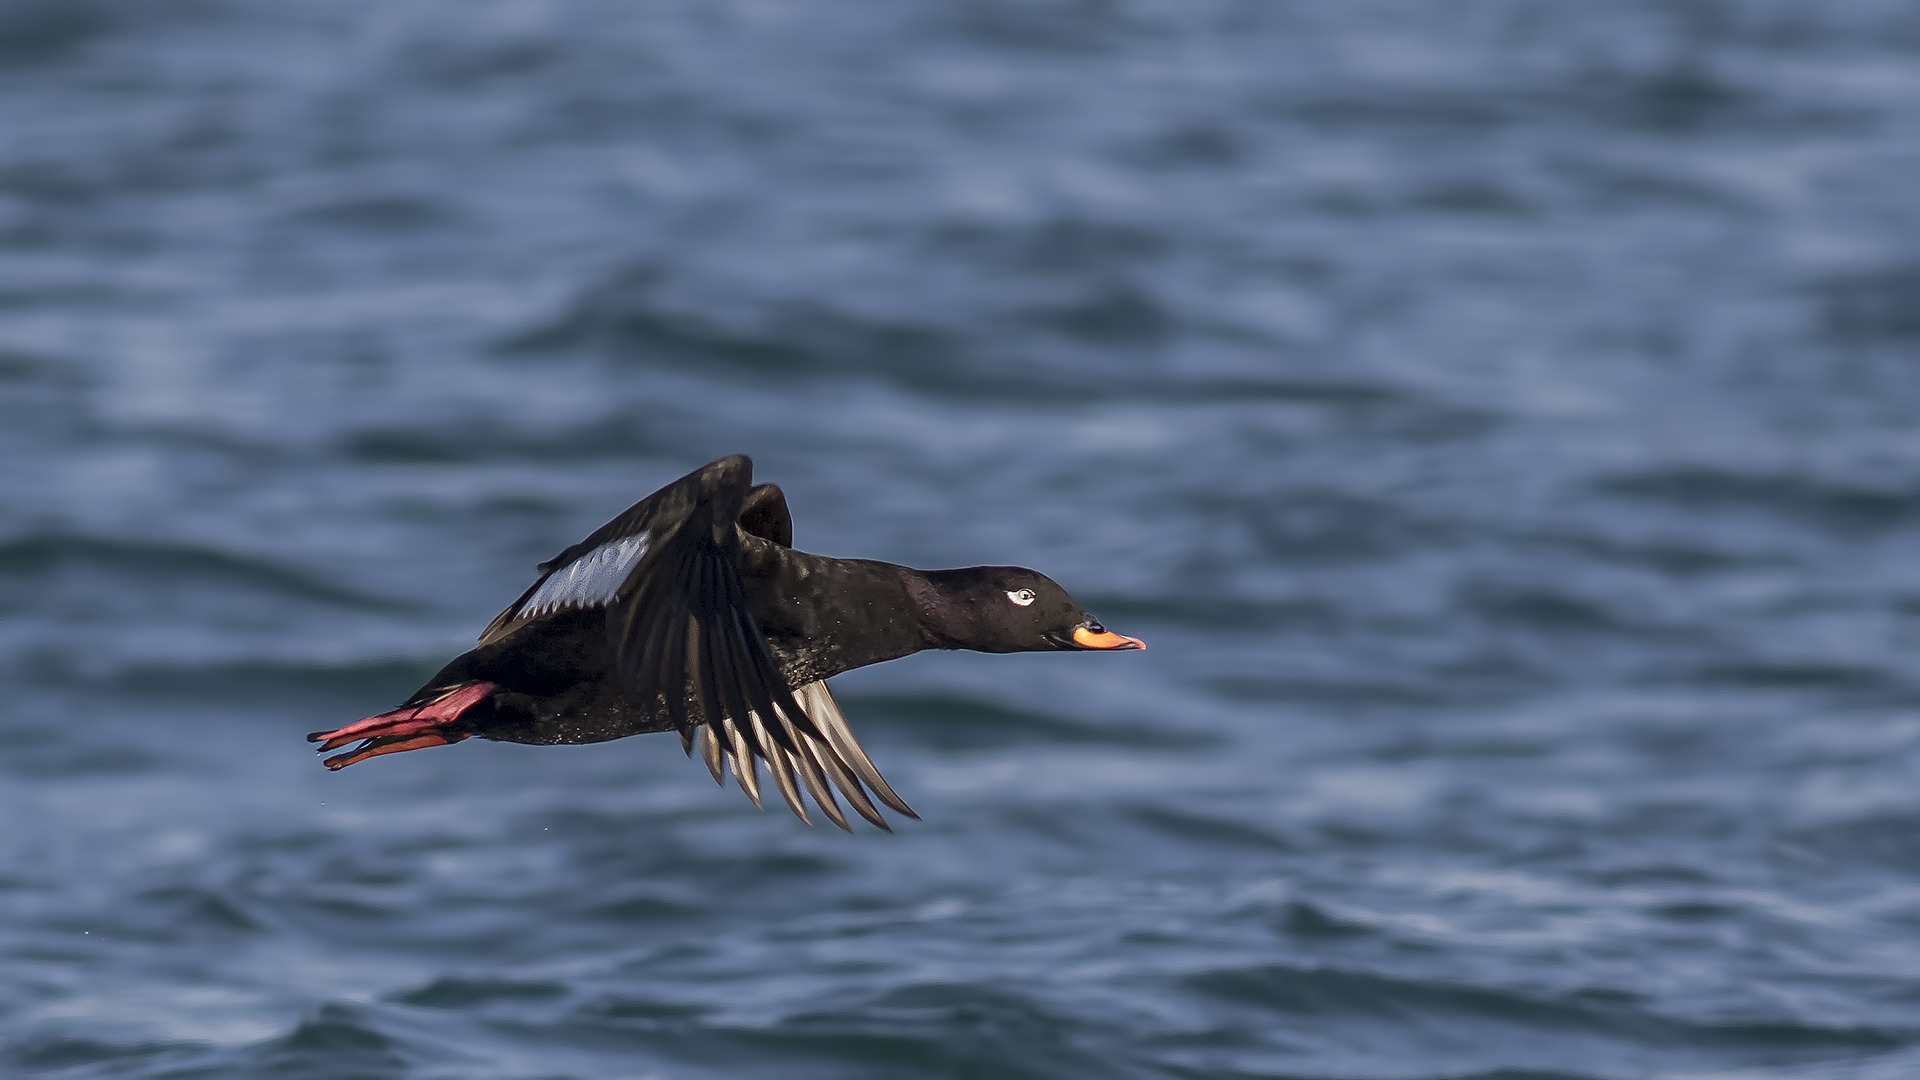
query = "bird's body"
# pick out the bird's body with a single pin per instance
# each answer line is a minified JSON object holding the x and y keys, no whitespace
{"x":692,"y":612}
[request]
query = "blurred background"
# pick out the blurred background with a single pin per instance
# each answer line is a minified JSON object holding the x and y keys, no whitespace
{"x":1497,"y":415}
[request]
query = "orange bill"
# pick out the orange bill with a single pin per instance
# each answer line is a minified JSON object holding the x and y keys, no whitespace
{"x":1104,"y":639}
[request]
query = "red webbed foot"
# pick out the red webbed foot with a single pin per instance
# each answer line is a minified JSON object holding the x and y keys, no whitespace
{"x":414,"y":727}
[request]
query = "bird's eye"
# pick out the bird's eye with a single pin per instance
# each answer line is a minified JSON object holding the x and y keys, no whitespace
{"x":1023,"y":597}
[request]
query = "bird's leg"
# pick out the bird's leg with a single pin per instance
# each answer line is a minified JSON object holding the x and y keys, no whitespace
{"x":414,"y":727}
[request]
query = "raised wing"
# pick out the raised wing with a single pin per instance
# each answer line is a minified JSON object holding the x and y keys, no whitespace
{"x":681,"y":632}
{"x":587,"y":575}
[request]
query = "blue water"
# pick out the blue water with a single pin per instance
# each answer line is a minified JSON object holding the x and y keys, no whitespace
{"x":1498,"y":416}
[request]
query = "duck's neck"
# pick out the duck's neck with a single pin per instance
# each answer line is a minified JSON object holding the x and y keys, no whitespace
{"x":942,"y":620}
{"x":823,"y":616}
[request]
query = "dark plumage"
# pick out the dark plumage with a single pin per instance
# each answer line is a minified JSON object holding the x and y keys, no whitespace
{"x":692,"y":612}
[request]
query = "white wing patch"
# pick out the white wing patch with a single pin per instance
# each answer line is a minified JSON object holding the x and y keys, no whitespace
{"x":588,"y":581}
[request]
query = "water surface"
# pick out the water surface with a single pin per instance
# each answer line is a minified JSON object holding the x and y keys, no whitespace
{"x":1498,"y":417}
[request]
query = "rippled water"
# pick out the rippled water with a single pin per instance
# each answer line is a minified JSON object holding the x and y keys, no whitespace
{"x":1498,"y":416}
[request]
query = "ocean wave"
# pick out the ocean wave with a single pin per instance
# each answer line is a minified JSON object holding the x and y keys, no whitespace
{"x":471,"y":441}
{"x":71,"y":1055}
{"x":229,"y":680}
{"x":1848,"y":506}
{"x":647,"y":316}
{"x":954,"y":722}
{"x":945,"y":1028}
{"x":334,"y":1041}
{"x":1876,"y":306}
{"x":462,"y":992}
{"x":1330,"y":997}
{"x":161,"y":562}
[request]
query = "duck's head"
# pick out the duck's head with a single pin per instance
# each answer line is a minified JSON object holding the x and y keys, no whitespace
{"x":1004,"y":609}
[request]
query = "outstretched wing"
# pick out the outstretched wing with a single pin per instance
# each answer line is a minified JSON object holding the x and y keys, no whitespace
{"x":681,"y":631}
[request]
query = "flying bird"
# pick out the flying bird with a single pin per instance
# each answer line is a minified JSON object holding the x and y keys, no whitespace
{"x":692,"y":612}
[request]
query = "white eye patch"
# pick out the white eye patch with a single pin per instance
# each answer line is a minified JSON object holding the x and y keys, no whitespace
{"x":1023,"y":597}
